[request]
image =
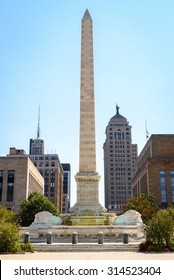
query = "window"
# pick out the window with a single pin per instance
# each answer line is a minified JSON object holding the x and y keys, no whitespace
{"x":53,"y":158}
{"x":172,"y":184}
{"x":119,"y":135}
{"x":1,"y":184}
{"x":10,"y":185}
{"x":163,"y":186}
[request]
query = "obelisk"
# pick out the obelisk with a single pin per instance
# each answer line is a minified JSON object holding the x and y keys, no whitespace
{"x":87,"y":178}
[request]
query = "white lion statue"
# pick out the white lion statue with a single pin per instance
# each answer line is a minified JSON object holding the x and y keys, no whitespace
{"x":46,"y":218}
{"x":130,"y":217}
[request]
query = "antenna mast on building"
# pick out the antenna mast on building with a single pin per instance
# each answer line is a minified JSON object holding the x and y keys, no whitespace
{"x":38,"y":127}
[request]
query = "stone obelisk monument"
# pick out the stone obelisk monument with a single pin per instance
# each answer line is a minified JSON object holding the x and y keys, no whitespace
{"x":87,"y":178}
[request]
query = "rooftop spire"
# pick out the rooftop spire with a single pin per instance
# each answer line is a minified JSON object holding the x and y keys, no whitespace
{"x":38,"y":127}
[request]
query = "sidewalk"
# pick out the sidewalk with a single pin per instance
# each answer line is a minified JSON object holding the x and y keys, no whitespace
{"x":89,"y":256}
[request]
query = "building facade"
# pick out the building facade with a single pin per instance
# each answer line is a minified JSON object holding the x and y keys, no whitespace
{"x":66,"y":187}
{"x":155,"y":170}
{"x":36,"y":147}
{"x":119,"y":159}
{"x":18,"y":178}
{"x":50,"y":168}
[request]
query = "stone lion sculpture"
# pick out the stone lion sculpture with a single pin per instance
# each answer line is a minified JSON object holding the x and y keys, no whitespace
{"x":130,"y":217}
{"x":46,"y":218}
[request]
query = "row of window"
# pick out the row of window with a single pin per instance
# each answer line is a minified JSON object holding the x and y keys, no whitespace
{"x":47,"y":171}
{"x":10,"y":185}
{"x":121,"y":173}
{"x":118,"y":124}
{"x":118,"y":192}
{"x":163,"y":186}
{"x":121,"y":162}
{"x":122,"y":178}
{"x":121,"y":154}
{"x":120,"y":169}
{"x":127,"y":129}
{"x":51,"y":157}
{"x":116,"y":150}
{"x":121,"y":139}
{"x":115,"y":206}
{"x":44,"y":164}
{"x":118,"y":133}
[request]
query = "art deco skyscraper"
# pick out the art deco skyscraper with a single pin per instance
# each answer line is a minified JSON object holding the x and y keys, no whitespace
{"x":119,"y":160}
{"x":87,"y":178}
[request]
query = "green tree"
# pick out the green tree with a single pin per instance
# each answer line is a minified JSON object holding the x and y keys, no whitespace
{"x":9,"y":232}
{"x":7,"y":216}
{"x":160,"y":229}
{"x":10,"y":238}
{"x":35,"y":203}
{"x":145,"y":205}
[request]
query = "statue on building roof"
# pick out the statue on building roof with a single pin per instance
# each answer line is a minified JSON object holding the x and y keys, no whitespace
{"x":117,"y":109}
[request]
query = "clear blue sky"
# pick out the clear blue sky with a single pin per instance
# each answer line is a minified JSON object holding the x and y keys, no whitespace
{"x":40,"y":65}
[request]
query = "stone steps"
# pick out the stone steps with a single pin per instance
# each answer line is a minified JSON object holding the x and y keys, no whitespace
{"x":83,"y":247}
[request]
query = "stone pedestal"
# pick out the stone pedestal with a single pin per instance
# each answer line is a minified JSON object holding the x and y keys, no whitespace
{"x":87,"y":195}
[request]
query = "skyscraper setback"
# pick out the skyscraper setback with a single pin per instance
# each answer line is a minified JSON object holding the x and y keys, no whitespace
{"x":119,"y":160}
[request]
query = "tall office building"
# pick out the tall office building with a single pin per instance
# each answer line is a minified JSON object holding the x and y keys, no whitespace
{"x":66,"y":187}
{"x":49,"y":167}
{"x":119,"y":159}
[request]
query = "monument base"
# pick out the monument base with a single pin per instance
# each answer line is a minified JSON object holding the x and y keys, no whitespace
{"x":86,"y":220}
{"x":63,"y":232}
{"x":87,"y":209}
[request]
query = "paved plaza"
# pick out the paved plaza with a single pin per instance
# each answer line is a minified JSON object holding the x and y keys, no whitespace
{"x":88,"y":256}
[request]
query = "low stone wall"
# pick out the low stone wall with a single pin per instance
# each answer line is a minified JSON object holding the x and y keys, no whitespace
{"x":91,"y":231}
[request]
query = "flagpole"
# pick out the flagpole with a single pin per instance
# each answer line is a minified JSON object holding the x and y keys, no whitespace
{"x":147,"y":133}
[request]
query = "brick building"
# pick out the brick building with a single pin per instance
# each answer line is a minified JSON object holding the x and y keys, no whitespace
{"x":18,"y":178}
{"x":155,"y":170}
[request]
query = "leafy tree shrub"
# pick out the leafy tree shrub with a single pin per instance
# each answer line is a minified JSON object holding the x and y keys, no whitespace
{"x":9,"y":231}
{"x":160,"y":229}
{"x":154,"y":248}
{"x":145,"y":205}
{"x":27,"y":247}
{"x":7,"y":216}
{"x":144,"y":245}
{"x":9,"y":236}
{"x":35,"y":203}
